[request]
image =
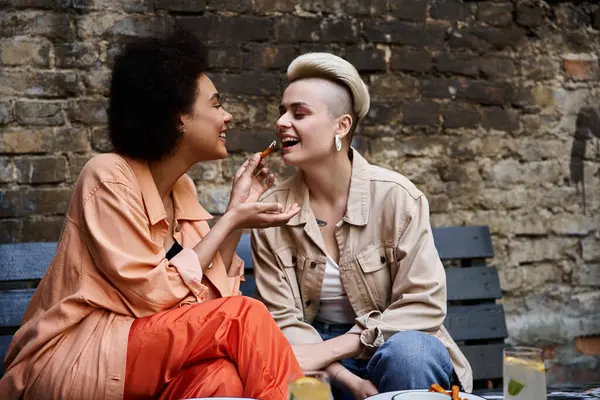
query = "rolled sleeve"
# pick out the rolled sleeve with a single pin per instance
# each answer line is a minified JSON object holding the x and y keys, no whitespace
{"x":187,"y":264}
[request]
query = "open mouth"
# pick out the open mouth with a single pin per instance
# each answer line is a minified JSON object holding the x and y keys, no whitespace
{"x":289,"y":142}
{"x":222,"y":135}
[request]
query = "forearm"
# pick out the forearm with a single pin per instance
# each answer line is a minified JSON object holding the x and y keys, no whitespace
{"x":214,"y":240}
{"x":343,"y":346}
{"x":229,"y":245}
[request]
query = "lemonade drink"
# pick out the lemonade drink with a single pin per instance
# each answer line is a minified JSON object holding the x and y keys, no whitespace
{"x":310,"y":388}
{"x":524,"y":374}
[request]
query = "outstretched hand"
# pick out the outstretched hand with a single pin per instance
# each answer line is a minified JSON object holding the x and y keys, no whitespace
{"x":251,"y":180}
{"x":251,"y":215}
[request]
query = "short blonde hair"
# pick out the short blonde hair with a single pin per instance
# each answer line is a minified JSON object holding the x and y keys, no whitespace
{"x":331,"y":67}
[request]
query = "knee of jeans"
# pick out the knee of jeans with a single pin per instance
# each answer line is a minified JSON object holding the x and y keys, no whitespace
{"x":414,"y":349}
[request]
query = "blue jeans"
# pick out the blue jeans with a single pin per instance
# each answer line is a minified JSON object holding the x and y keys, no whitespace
{"x":407,"y":360}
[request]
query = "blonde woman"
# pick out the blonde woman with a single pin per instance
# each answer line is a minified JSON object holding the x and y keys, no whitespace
{"x":354,"y":279}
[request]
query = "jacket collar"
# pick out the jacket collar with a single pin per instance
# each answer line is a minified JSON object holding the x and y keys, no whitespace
{"x":185,"y":200}
{"x":359,"y":196}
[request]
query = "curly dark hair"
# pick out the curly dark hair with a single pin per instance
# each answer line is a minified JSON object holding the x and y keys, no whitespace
{"x":153,"y":83}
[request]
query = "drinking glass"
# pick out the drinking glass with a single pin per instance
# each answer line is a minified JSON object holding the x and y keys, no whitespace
{"x":312,"y":386}
{"x":524,"y":374}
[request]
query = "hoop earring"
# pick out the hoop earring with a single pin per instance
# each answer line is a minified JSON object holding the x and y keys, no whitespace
{"x":338,"y":143}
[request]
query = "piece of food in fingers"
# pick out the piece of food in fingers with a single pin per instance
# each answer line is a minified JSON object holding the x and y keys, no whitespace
{"x":268,"y":150}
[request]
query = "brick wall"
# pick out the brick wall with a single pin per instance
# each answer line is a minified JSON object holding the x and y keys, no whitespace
{"x":490,"y":107}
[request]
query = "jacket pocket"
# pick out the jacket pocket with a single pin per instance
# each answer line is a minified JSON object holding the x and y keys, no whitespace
{"x":373,"y":260}
{"x":375,"y":265}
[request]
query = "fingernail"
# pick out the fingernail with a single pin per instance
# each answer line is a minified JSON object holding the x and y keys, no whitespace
{"x":280,"y":207}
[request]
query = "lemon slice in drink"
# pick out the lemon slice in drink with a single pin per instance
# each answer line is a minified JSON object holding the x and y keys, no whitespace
{"x":536,"y":365}
{"x":307,"y":387}
{"x":515,"y":387}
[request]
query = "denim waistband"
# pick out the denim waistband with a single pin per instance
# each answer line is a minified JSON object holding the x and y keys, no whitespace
{"x":331,"y":329}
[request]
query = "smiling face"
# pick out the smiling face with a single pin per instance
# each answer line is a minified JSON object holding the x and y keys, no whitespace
{"x":312,"y":112}
{"x":206,"y":126}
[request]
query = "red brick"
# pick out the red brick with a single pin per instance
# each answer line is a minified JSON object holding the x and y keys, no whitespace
{"x":589,"y":345}
{"x":581,"y":67}
{"x":549,"y":353}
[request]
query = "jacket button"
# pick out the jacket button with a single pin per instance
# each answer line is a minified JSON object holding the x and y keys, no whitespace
{"x":313,"y":264}
{"x":382,"y":259}
{"x":177,"y":228}
{"x":308,"y":303}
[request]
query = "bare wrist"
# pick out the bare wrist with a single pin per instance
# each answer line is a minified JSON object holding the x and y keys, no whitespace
{"x":345,"y":378}
{"x":230,"y":219}
{"x":231,"y":205}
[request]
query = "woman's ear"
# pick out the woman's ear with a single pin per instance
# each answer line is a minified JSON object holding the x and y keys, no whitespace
{"x":344,"y":124}
{"x":183,"y":121}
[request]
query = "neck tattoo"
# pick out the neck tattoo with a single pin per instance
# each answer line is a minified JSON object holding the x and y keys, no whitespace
{"x":321,"y":223}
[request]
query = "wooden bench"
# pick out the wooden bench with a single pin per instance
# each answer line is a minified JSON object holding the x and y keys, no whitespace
{"x":474,"y":319}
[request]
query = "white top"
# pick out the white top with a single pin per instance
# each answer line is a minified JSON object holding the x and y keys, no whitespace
{"x":335,"y":307}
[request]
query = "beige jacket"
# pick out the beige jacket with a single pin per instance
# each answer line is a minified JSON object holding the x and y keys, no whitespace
{"x":109,"y":269}
{"x":389,"y":265}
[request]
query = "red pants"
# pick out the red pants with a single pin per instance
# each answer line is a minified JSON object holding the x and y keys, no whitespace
{"x":224,"y":347}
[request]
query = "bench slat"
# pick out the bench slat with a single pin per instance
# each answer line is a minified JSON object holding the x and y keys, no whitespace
{"x":477,"y":322}
{"x":249,"y":286}
{"x":4,"y":343}
{"x":473,"y":283}
{"x":486,"y":360}
{"x":13,"y":304}
{"x":24,"y":261}
{"x":244,"y":251}
{"x":463,"y":242}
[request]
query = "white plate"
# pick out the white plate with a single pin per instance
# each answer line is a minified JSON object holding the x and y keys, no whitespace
{"x":390,"y":395}
{"x":418,"y":395}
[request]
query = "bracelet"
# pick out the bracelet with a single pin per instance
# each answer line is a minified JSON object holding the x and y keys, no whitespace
{"x":337,"y":373}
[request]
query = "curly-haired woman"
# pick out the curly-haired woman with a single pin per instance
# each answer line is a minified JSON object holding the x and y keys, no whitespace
{"x":142,"y":299}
